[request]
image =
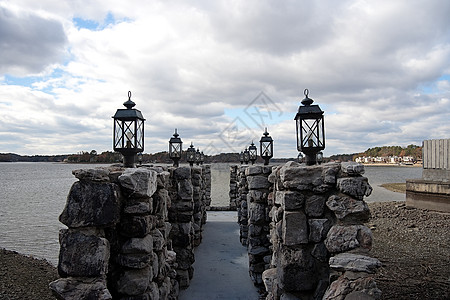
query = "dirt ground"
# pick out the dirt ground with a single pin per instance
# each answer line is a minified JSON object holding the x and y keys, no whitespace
{"x":412,"y":244}
{"x":414,"y":248}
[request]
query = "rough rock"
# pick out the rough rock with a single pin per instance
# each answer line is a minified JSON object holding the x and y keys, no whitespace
{"x":134,"y":281}
{"x":96,"y":175}
{"x":80,"y":288}
{"x":352,"y":168}
{"x":289,"y":200}
{"x":82,"y":255}
{"x":345,"y":238}
{"x":139,"y":183}
{"x":348,"y":209}
{"x":258,"y":182}
{"x":295,"y":229}
{"x":357,"y":187}
{"x":92,"y":204}
{"x":354,"y":263}
{"x":318,"y":229}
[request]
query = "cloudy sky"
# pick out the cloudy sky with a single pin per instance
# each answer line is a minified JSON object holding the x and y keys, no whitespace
{"x":220,"y":71}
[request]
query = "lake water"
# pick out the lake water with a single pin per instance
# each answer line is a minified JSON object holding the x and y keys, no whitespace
{"x":33,"y":195}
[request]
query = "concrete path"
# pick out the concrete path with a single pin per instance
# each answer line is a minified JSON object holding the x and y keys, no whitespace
{"x":221,"y":263}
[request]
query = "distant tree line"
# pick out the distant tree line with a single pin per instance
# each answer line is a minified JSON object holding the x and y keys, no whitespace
{"x":386,"y":151}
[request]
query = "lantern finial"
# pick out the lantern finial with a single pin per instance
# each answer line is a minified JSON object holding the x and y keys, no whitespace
{"x":129,"y":104}
{"x":307,"y":101}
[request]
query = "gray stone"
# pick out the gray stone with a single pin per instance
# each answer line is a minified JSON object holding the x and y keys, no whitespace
{"x":139,"y":182}
{"x":357,"y":187}
{"x":269,"y":276}
{"x":345,"y":238}
{"x":349,"y":210}
{"x":136,"y":226}
{"x":134,"y":260}
{"x":295,"y":270}
{"x":289,"y":200}
{"x":256,"y":212}
{"x":138,"y":208}
{"x":342,"y":288}
{"x":253,"y":170}
{"x":82,"y":255}
{"x":314,"y":205}
{"x":185,"y":190}
{"x":158,"y":240}
{"x":354,"y":262}
{"x":257,"y":196}
{"x":80,"y":288}
{"x":295,"y":230}
{"x":318,"y":229}
{"x":97,"y":174}
{"x":330,"y":170}
{"x":182,"y":173}
{"x":320,"y":252}
{"x":138,"y":245}
{"x":352,"y":168}
{"x":92,"y":204}
{"x":134,"y":281}
{"x":301,"y":177}
{"x":258,"y":182}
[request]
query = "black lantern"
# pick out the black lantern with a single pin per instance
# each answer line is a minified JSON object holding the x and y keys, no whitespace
{"x":202,"y":158}
{"x":253,"y":153}
{"x":190,"y":155}
{"x":266,"y":147}
{"x":198,"y":157}
{"x":319,"y":157}
{"x":246,"y":156}
{"x":140,"y":158}
{"x":128,"y":132}
{"x":241,"y":157}
{"x":310,"y":129}
{"x":175,"y":148}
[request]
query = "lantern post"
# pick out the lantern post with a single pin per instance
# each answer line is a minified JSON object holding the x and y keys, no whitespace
{"x":175,"y":148}
{"x":266,"y":147}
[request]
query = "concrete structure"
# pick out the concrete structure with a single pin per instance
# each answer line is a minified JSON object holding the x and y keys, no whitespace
{"x":432,"y":191}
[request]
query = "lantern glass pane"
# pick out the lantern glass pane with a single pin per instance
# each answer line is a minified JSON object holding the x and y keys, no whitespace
{"x":252,"y":153}
{"x":175,"y":150}
{"x":140,"y":134}
{"x":266,"y":150}
{"x":118,"y":137}
{"x":128,"y":134}
{"x":311,"y":133}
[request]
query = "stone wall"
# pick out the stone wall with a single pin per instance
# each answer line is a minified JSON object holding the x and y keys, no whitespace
{"x":318,"y":241}
{"x":259,"y":252}
{"x":130,"y":233}
{"x":234,"y":193}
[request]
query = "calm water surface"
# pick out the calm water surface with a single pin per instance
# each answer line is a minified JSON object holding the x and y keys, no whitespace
{"x":33,"y":195}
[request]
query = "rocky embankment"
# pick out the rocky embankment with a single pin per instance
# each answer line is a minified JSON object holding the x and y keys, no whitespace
{"x":412,"y":244}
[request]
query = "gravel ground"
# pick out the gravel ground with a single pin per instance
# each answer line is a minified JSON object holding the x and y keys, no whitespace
{"x":412,"y":244}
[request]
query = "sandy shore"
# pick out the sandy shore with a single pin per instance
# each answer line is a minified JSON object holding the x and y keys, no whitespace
{"x":412,"y":244}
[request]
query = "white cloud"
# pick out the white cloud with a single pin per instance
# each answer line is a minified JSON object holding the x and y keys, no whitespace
{"x":377,"y":69}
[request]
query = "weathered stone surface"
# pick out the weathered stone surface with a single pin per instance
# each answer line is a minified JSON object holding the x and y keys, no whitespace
{"x":269,"y":277}
{"x":258,"y":182}
{"x":139,"y":182}
{"x":318,"y":229}
{"x":300,"y":178}
{"x":185,"y":190}
{"x":138,"y":208}
{"x":352,"y":168}
{"x":136,"y":226}
{"x":158,"y":240}
{"x":134,"y":281}
{"x":295,"y":229}
{"x":138,"y":245}
{"x":97,"y":174}
{"x":134,"y":260}
{"x":345,"y":238}
{"x":257,"y":196}
{"x":357,"y":187}
{"x":80,"y":288}
{"x":314,"y":205}
{"x":182,"y":173}
{"x":82,"y":255}
{"x":289,"y":200}
{"x":295,"y":270}
{"x":343,"y":287}
{"x":330,"y":170}
{"x":354,"y":262}
{"x":349,"y":210}
{"x":253,"y":170}
{"x":91,"y":204}
{"x":256,"y":212}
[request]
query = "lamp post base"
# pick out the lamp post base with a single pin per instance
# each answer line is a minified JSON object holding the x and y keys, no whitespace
{"x":129,"y":161}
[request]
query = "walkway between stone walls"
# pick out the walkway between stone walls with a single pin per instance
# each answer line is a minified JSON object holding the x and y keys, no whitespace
{"x":221,"y":263}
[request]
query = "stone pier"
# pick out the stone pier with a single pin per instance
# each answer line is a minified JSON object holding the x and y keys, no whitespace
{"x":131,"y":232}
{"x":318,"y":243}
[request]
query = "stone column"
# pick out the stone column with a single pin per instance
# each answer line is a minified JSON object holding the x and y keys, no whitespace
{"x":116,"y":244}
{"x":259,"y":253}
{"x":242,"y":207}
{"x":317,"y":214}
{"x":233,"y":187}
{"x":181,"y":216}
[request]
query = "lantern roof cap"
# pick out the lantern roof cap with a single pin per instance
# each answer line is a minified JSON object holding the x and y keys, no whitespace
{"x":129,"y":113}
{"x":307,"y":101}
{"x":175,"y":138}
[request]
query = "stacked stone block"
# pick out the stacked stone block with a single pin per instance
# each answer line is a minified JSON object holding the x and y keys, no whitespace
{"x":318,"y":238}
{"x":207,"y":189}
{"x":259,"y":253}
{"x":242,"y":205}
{"x":234,"y":194}
{"x":116,"y":242}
